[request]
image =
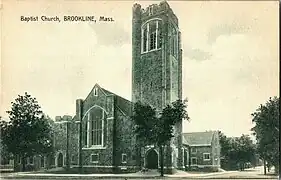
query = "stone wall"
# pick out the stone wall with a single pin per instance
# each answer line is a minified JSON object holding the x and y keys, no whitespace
{"x":202,"y":165}
{"x":125,"y":141}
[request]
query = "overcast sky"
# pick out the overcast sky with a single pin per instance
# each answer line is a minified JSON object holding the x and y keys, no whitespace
{"x":230,"y":57}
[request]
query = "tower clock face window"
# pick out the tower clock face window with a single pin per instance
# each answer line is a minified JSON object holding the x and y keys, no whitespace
{"x":151,"y":35}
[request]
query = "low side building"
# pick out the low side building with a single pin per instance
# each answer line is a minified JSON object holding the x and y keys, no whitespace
{"x":204,"y":150}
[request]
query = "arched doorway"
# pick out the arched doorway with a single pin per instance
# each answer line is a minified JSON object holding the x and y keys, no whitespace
{"x":152,"y":159}
{"x":60,"y":160}
{"x":42,"y":161}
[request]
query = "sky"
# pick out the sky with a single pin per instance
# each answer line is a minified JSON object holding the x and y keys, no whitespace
{"x":230,"y":57}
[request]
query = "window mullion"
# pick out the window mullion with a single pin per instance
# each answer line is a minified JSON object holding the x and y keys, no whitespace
{"x":147,"y":36}
{"x":156,"y":38}
{"x":88,"y":131}
{"x":142,"y":36}
{"x":102,"y":133}
{"x":96,"y":134}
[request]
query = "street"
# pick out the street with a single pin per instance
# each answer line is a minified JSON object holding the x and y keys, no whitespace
{"x":253,"y":173}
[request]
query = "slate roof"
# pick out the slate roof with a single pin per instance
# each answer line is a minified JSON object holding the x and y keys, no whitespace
{"x":198,"y":138}
{"x":122,"y":103}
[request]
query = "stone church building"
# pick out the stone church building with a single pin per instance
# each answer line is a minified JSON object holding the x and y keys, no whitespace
{"x":100,"y":138}
{"x":107,"y":141}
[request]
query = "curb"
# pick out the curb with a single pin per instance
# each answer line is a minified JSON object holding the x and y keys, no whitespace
{"x":126,"y":177}
{"x":84,"y":177}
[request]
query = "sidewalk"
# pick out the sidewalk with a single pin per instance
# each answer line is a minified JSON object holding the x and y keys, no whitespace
{"x":179,"y":174}
{"x":138,"y":175}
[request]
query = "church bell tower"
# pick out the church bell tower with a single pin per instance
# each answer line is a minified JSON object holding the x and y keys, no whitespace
{"x":157,"y":55}
{"x":157,"y":62}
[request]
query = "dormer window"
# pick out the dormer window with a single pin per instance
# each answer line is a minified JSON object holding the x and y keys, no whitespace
{"x":96,"y":92}
{"x":151,"y":35}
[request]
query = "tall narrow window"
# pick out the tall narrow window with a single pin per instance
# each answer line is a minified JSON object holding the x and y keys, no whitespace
{"x":42,"y":161}
{"x":150,"y":10}
{"x":174,"y":42}
{"x":18,"y":159}
{"x":159,"y":35}
{"x":93,"y":135}
{"x":73,"y":158}
{"x":86,"y":132}
{"x":152,"y":35}
{"x":97,"y":127}
{"x":96,"y":92}
{"x":30,"y":160}
{"x":124,"y":158}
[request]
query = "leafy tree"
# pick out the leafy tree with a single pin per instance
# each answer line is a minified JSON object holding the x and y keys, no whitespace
{"x":266,"y":130}
{"x":4,"y":153}
{"x":236,"y":151}
{"x":144,"y":117}
{"x":157,"y":129}
{"x":245,"y":150}
{"x":28,"y":132}
{"x":225,"y":143}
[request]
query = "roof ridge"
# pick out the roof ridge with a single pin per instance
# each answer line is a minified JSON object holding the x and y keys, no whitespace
{"x":199,"y":138}
{"x":116,"y":95}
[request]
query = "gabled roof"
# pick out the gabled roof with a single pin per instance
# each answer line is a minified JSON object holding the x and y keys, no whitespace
{"x":198,"y":138}
{"x":123,"y":104}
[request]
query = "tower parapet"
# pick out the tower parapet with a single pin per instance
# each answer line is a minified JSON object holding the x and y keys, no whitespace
{"x":154,"y":10}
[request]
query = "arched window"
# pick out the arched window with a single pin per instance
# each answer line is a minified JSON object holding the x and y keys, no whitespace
{"x":94,"y":133}
{"x":151,"y":35}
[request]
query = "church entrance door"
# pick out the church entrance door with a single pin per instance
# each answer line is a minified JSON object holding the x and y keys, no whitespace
{"x":152,"y":159}
{"x":60,"y":160}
